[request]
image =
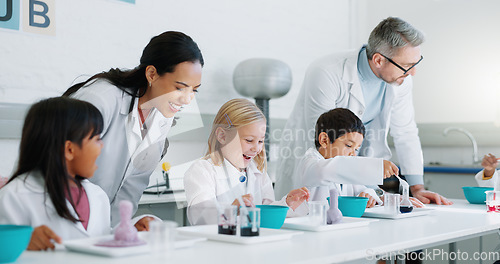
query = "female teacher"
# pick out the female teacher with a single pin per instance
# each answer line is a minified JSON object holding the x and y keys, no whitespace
{"x":138,"y":107}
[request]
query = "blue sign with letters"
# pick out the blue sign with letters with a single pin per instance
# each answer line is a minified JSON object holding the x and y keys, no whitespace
{"x":9,"y":14}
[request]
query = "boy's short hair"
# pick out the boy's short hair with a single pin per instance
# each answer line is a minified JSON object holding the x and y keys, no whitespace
{"x":337,"y":122}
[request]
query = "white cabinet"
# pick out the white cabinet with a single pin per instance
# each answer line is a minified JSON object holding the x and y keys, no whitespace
{"x":447,"y":184}
{"x":450,"y":185}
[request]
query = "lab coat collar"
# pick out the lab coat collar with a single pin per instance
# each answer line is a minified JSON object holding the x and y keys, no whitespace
{"x":252,"y":174}
{"x":162,"y":120}
{"x":157,"y":130}
{"x":94,"y":218}
{"x":252,"y":167}
{"x":159,"y":126}
{"x":314,"y":152}
{"x":350,"y":75}
{"x":125,"y":105}
{"x":34,"y":182}
{"x":234,"y":173}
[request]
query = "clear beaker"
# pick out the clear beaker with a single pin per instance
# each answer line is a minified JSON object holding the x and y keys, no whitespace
{"x":227,"y":219}
{"x":492,"y":201}
{"x":317,"y":212}
{"x":250,"y":224}
{"x":161,"y":237}
{"x":391,"y":203}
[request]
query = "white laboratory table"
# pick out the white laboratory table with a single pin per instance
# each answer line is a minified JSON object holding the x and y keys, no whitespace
{"x":446,"y":224}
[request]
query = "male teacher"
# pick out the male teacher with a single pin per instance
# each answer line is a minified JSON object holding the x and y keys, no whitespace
{"x":374,"y":82}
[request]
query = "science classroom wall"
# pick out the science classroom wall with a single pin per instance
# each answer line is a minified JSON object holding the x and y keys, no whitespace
{"x":91,"y":36}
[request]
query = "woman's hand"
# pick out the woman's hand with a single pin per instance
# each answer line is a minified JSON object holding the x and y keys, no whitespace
{"x":296,"y":197}
{"x":42,"y":237}
{"x":143,"y":223}
{"x":371,"y":201}
{"x":247,"y":199}
{"x":489,"y":163}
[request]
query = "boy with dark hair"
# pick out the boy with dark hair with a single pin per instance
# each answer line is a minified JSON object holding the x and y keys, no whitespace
{"x":333,"y":163}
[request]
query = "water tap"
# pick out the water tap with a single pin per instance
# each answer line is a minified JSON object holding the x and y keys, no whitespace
{"x":475,"y":158}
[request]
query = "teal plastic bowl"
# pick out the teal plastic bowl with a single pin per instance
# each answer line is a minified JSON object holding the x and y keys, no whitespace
{"x":352,"y":206}
{"x":476,"y":195}
{"x":14,"y":240}
{"x":272,"y":216}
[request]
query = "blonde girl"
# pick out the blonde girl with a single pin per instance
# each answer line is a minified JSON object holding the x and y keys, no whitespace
{"x":235,"y":165}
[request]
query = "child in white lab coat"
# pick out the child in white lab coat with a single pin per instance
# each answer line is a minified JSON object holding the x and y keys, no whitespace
{"x":488,"y":177}
{"x":333,"y":163}
{"x":235,"y":165}
{"x":50,"y":189}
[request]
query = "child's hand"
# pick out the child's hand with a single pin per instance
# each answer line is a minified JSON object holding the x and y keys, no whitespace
{"x":143,"y":223}
{"x":42,"y":238}
{"x":390,"y":169}
{"x":247,"y":199}
{"x":490,"y":163}
{"x":296,"y":197}
{"x":371,"y":201}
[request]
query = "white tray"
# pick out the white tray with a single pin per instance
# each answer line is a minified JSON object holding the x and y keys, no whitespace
{"x":379,"y":212}
{"x":303,"y":223}
{"x":211,"y":232}
{"x":86,"y":245}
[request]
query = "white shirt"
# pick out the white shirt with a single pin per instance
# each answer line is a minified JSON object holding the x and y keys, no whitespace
{"x":127,"y":159}
{"x":24,"y":201}
{"x":320,"y":175}
{"x":333,"y":82}
{"x":207,"y":186}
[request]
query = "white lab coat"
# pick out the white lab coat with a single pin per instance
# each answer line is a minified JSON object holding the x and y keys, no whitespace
{"x":320,"y":175}
{"x":24,"y":201}
{"x":333,"y":82}
{"x":207,"y":187}
{"x":126,"y":161}
{"x":487,"y":183}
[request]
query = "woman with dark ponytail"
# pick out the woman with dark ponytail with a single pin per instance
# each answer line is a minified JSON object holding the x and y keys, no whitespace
{"x":138,"y":107}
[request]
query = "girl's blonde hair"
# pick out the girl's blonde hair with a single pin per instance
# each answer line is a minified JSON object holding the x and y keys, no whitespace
{"x":232,"y":115}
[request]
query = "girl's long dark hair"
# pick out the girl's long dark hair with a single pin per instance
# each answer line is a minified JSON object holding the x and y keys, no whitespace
{"x":47,"y":126}
{"x":163,"y":52}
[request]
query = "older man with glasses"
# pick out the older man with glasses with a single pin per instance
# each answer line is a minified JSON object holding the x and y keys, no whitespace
{"x":375,"y":82}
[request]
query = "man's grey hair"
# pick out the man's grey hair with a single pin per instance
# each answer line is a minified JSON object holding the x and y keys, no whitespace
{"x":391,"y":34}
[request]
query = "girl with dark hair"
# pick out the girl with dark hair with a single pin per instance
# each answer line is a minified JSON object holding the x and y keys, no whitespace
{"x":50,"y":189}
{"x":138,"y":107}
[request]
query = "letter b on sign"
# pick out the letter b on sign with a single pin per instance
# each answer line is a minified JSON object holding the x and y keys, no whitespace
{"x":37,"y":17}
{"x":42,"y":14}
